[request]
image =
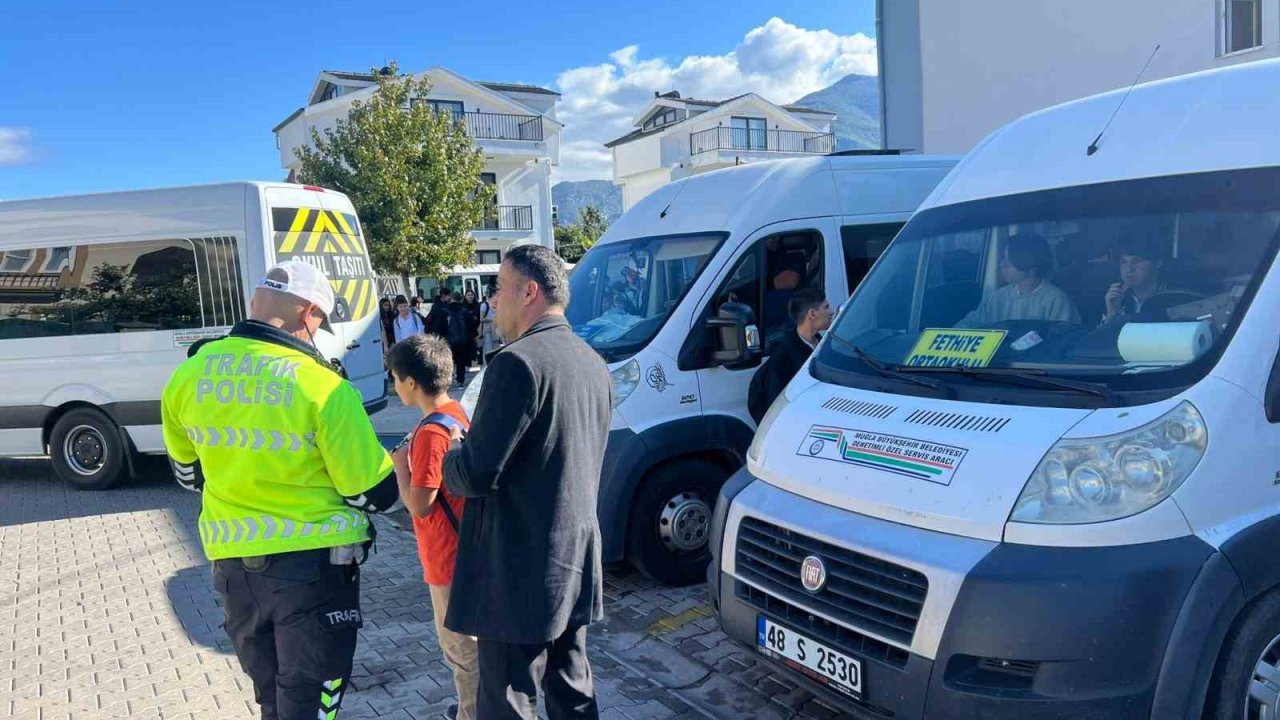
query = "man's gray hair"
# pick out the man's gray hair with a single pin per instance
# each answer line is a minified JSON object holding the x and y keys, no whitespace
{"x":542,"y":265}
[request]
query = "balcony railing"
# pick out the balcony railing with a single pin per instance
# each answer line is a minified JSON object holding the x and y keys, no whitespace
{"x":760,"y":140}
{"x":508,"y":217}
{"x":500,"y":126}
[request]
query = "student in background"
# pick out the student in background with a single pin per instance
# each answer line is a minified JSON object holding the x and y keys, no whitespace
{"x":489,"y":340}
{"x":422,"y":367}
{"x":406,"y":323}
{"x":438,"y":317}
{"x":472,"y":306}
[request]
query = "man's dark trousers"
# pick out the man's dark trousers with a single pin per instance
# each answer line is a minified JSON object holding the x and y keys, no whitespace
{"x":510,"y":675}
{"x":293,"y":619}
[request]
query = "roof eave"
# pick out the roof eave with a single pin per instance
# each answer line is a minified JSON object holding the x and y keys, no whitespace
{"x":292,"y":116}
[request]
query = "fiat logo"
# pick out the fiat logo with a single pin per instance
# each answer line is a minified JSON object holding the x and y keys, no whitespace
{"x":813,"y":573}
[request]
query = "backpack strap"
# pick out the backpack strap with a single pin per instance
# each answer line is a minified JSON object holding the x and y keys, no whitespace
{"x":448,"y":422}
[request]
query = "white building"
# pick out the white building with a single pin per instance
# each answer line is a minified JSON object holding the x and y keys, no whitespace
{"x":953,"y":72}
{"x":676,"y":137}
{"x":514,"y":125}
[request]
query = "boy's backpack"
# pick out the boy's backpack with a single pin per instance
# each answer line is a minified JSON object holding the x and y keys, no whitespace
{"x":448,"y":422}
{"x":459,"y":333}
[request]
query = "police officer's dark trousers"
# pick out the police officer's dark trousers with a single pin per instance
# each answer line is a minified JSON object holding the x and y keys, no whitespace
{"x":293,"y":619}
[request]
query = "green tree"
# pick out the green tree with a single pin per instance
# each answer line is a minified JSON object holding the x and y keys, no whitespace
{"x":413,"y":175}
{"x":574,"y":240}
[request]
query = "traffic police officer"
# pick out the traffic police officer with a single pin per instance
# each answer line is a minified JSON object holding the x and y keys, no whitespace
{"x":287,"y":463}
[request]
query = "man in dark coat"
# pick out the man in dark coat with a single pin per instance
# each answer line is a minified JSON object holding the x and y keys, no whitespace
{"x":809,"y":310}
{"x":528,"y":578}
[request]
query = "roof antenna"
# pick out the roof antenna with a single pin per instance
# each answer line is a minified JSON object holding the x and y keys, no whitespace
{"x":662,"y":215}
{"x":1093,"y":146}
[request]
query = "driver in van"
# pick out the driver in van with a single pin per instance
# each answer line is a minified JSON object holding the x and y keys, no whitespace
{"x":629,"y":291}
{"x":1026,"y":294}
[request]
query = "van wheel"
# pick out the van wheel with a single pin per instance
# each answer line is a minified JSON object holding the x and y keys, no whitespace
{"x":1246,"y":681}
{"x":86,"y":450}
{"x":671,"y":521}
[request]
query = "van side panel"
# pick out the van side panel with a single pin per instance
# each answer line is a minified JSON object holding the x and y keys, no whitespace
{"x":115,"y":288}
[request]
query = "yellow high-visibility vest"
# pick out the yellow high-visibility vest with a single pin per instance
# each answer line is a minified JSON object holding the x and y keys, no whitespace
{"x":281,"y":439}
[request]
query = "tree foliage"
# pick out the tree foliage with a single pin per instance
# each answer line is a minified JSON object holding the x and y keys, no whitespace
{"x":574,"y":240}
{"x":413,"y":175}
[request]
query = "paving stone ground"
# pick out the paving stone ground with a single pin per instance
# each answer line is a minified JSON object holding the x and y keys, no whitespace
{"x":107,"y":611}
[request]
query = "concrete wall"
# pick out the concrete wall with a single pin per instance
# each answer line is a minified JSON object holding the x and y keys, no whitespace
{"x":638,"y":156}
{"x":523,"y":183}
{"x":984,"y":63}
{"x":637,"y":186}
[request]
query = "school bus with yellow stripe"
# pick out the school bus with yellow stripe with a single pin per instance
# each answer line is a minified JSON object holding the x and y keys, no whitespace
{"x":101,"y":295}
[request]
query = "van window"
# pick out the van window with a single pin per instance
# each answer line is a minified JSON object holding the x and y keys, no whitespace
{"x":863,"y":244}
{"x":1137,"y":285}
{"x":123,"y":287}
{"x":621,"y":293}
{"x":16,"y":260}
{"x":222,"y":286}
{"x":791,"y":261}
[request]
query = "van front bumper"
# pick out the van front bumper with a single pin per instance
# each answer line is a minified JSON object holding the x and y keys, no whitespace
{"x":1004,"y":631}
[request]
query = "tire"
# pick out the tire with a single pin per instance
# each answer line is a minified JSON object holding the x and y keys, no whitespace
{"x":87,"y":451}
{"x":1253,"y":640}
{"x":671,"y":520}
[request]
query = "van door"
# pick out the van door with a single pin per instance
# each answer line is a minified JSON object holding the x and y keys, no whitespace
{"x":321,"y":228}
{"x":768,"y":269}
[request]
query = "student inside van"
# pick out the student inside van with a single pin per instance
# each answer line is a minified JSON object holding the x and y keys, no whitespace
{"x":1142,"y":293}
{"x":812,"y":316}
{"x":1026,"y":294}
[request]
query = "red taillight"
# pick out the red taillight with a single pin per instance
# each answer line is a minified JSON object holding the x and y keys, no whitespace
{"x":317,"y":188}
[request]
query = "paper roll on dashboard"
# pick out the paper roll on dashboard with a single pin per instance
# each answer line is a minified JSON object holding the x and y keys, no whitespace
{"x":1166,"y":342}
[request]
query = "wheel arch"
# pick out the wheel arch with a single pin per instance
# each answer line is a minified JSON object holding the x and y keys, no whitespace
{"x":632,"y":458}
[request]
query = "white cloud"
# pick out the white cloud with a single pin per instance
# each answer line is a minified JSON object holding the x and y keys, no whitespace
{"x":13,"y":145}
{"x":778,"y":60}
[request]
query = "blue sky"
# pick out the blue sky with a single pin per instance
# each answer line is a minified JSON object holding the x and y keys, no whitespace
{"x":105,"y":96}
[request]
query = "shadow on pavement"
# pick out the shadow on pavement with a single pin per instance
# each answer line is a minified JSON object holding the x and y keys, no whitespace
{"x":30,"y":492}
{"x":198,"y":608}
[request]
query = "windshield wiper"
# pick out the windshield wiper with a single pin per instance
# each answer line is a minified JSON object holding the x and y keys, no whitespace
{"x":881,"y":368}
{"x":1027,"y":376}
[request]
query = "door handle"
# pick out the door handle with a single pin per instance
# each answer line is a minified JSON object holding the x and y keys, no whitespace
{"x":353,"y":345}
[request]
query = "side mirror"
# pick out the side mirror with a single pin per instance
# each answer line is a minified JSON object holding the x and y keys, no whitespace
{"x":735,"y":337}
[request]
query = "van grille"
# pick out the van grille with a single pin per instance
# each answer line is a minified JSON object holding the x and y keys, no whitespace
{"x":862,"y":592}
{"x":855,"y":407}
{"x":957,"y":421}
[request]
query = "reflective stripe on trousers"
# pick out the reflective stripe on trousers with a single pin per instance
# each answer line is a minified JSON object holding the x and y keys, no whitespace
{"x":266,"y":527}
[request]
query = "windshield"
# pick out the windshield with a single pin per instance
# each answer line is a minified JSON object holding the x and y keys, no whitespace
{"x":621,"y":293}
{"x":1136,"y":284}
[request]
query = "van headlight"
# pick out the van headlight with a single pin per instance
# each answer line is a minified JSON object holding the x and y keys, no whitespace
{"x":755,"y":453}
{"x":1108,"y":478}
{"x":625,"y":381}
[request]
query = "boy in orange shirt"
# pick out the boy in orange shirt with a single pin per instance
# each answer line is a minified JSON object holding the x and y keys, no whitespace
{"x":422,"y":367}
